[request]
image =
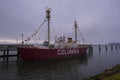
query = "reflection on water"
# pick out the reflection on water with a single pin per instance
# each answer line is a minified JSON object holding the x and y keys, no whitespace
{"x":59,"y":70}
{"x":102,"y":57}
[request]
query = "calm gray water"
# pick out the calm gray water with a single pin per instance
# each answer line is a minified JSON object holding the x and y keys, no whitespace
{"x":74,"y":69}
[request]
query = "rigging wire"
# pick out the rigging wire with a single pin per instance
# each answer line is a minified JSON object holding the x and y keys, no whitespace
{"x":81,"y":36}
{"x":39,"y":36}
{"x":44,"y":28}
{"x":36,"y":31}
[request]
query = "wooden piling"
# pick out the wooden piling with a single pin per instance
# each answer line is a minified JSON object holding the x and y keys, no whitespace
{"x":106,"y":48}
{"x":18,"y":56}
{"x":99,"y":48}
{"x":111,"y":47}
{"x":7,"y":55}
{"x":116,"y":47}
{"x":4,"y":53}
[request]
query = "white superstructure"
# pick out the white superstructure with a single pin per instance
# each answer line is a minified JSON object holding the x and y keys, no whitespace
{"x":62,"y":43}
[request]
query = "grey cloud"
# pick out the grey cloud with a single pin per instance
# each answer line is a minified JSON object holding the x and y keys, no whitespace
{"x":99,"y":20}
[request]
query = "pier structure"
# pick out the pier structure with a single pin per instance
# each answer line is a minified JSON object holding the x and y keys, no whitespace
{"x":6,"y":51}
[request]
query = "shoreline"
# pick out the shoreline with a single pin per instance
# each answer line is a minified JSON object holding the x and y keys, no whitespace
{"x":112,"y":73}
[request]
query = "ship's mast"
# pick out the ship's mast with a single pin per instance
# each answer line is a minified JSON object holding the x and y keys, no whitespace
{"x":76,"y":26}
{"x":48,"y":19}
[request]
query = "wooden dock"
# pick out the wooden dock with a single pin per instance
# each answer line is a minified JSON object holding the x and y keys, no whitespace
{"x":6,"y":51}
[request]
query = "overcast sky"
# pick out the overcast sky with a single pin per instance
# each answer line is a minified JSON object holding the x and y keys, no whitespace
{"x":98,"y":20}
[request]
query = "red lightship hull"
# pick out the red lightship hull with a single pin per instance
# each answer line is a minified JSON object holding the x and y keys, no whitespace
{"x":49,"y":54}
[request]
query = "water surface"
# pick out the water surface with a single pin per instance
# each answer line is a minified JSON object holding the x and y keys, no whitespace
{"x":74,"y":69}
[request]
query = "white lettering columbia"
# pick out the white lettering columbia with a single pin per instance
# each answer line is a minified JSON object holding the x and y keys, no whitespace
{"x":67,"y":51}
